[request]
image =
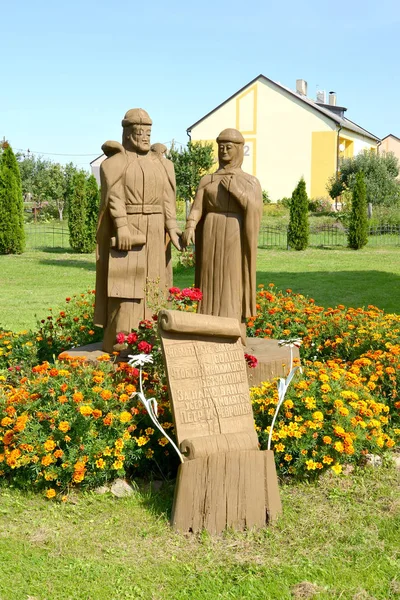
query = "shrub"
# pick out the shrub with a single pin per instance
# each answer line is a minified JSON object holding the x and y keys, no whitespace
{"x":265,"y":197}
{"x":298,"y":223}
{"x":320,"y":205}
{"x":285,"y":202}
{"x":328,"y":418}
{"x":73,"y":423}
{"x":68,"y":328}
{"x":12,"y":235}
{"x":358,"y":225}
{"x":92,"y":201}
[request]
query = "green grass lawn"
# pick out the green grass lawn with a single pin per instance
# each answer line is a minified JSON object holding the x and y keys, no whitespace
{"x":340,"y":535}
{"x":35,"y":281}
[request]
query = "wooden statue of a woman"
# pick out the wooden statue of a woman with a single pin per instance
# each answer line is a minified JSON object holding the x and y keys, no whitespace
{"x":224,"y":224}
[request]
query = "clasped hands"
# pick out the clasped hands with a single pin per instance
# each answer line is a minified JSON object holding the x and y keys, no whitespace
{"x":126,"y":239}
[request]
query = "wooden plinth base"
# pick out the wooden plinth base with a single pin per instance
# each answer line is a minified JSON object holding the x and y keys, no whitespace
{"x":236,"y":489}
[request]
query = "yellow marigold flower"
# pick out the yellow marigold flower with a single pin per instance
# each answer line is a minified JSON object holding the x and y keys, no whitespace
{"x":279,"y":447}
{"x":337,"y":469}
{"x":318,"y":416}
{"x":343,"y":411}
{"x":338,"y":446}
{"x":327,"y":460}
{"x":288,"y":457}
{"x":125,"y":417}
{"x":323,"y":377}
{"x":130,"y":389}
{"x":100,"y":463}
{"x":126,"y":435}
{"x":149,"y":431}
{"x":47,"y":460}
{"x":124,"y":398}
{"x":50,"y":476}
{"x":51,"y":493}
{"x":106,"y":394}
{"x":117,"y":464}
{"x":1,"y":457}
{"x":49,"y":445}
{"x":107,"y":451}
{"x":325,"y":388}
{"x":6,"y":421}
{"x":64,"y":426}
{"x":309,"y":401}
{"x":311,"y":465}
{"x":86,"y":410}
{"x":288,"y":404}
{"x":142,"y":440}
{"x":163,"y":441}
{"x":119,"y":444}
{"x":78,"y":476}
{"x":338,"y":430}
{"x":149,"y":453}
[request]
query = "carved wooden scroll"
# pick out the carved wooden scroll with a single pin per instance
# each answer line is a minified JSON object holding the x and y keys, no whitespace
{"x":225,"y":481}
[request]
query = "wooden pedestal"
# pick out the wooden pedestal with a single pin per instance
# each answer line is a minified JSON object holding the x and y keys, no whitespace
{"x":236,"y":489}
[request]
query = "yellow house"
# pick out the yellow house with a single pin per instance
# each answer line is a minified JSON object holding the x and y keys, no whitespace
{"x":391,"y":143}
{"x":287,"y":135}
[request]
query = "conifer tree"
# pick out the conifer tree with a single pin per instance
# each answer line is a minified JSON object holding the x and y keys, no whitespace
{"x":77,"y":213}
{"x":358,"y":227}
{"x":298,"y":230}
{"x":12,"y":234}
{"x":92,"y":210}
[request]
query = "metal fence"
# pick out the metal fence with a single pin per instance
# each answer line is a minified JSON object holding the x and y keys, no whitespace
{"x":42,"y":236}
{"x":329,"y":236}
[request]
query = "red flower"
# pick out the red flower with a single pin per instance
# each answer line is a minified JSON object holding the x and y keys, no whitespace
{"x":120,"y":338}
{"x":144,"y":347}
{"x":131,"y":338}
{"x":251,"y":361}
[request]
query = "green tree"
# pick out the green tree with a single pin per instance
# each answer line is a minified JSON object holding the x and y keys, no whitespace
{"x":48,"y":183}
{"x":191,"y":164}
{"x":92,"y":194}
{"x":77,"y":213}
{"x":358,"y":226}
{"x":298,"y":229}
{"x":380,"y":172}
{"x":12,"y":235}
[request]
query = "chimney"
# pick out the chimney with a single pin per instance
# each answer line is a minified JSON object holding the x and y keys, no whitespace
{"x":321,"y":97}
{"x":301,"y":87}
{"x":332,"y":98}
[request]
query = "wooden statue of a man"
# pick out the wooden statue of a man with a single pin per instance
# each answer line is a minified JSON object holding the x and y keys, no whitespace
{"x":137,"y":219}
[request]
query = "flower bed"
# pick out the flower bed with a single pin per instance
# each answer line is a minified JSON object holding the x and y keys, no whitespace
{"x":73,"y":424}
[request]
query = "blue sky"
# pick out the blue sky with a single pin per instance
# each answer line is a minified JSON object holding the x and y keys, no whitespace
{"x":69,"y":71}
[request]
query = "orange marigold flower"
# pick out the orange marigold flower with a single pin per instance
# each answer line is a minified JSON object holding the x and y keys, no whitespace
{"x":327,"y":439}
{"x":106,"y":394}
{"x":77,"y":397}
{"x":108,"y":419}
{"x":6,"y":421}
{"x":50,"y":493}
{"x":58,"y":453}
{"x":7,"y":438}
{"x":97,"y":413}
{"x":62,"y":399}
{"x":47,"y":460}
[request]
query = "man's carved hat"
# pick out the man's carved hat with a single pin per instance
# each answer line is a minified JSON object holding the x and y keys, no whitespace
{"x":136,"y":116}
{"x":230,"y":135}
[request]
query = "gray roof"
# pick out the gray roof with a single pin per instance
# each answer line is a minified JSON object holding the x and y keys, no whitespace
{"x":342,"y":121}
